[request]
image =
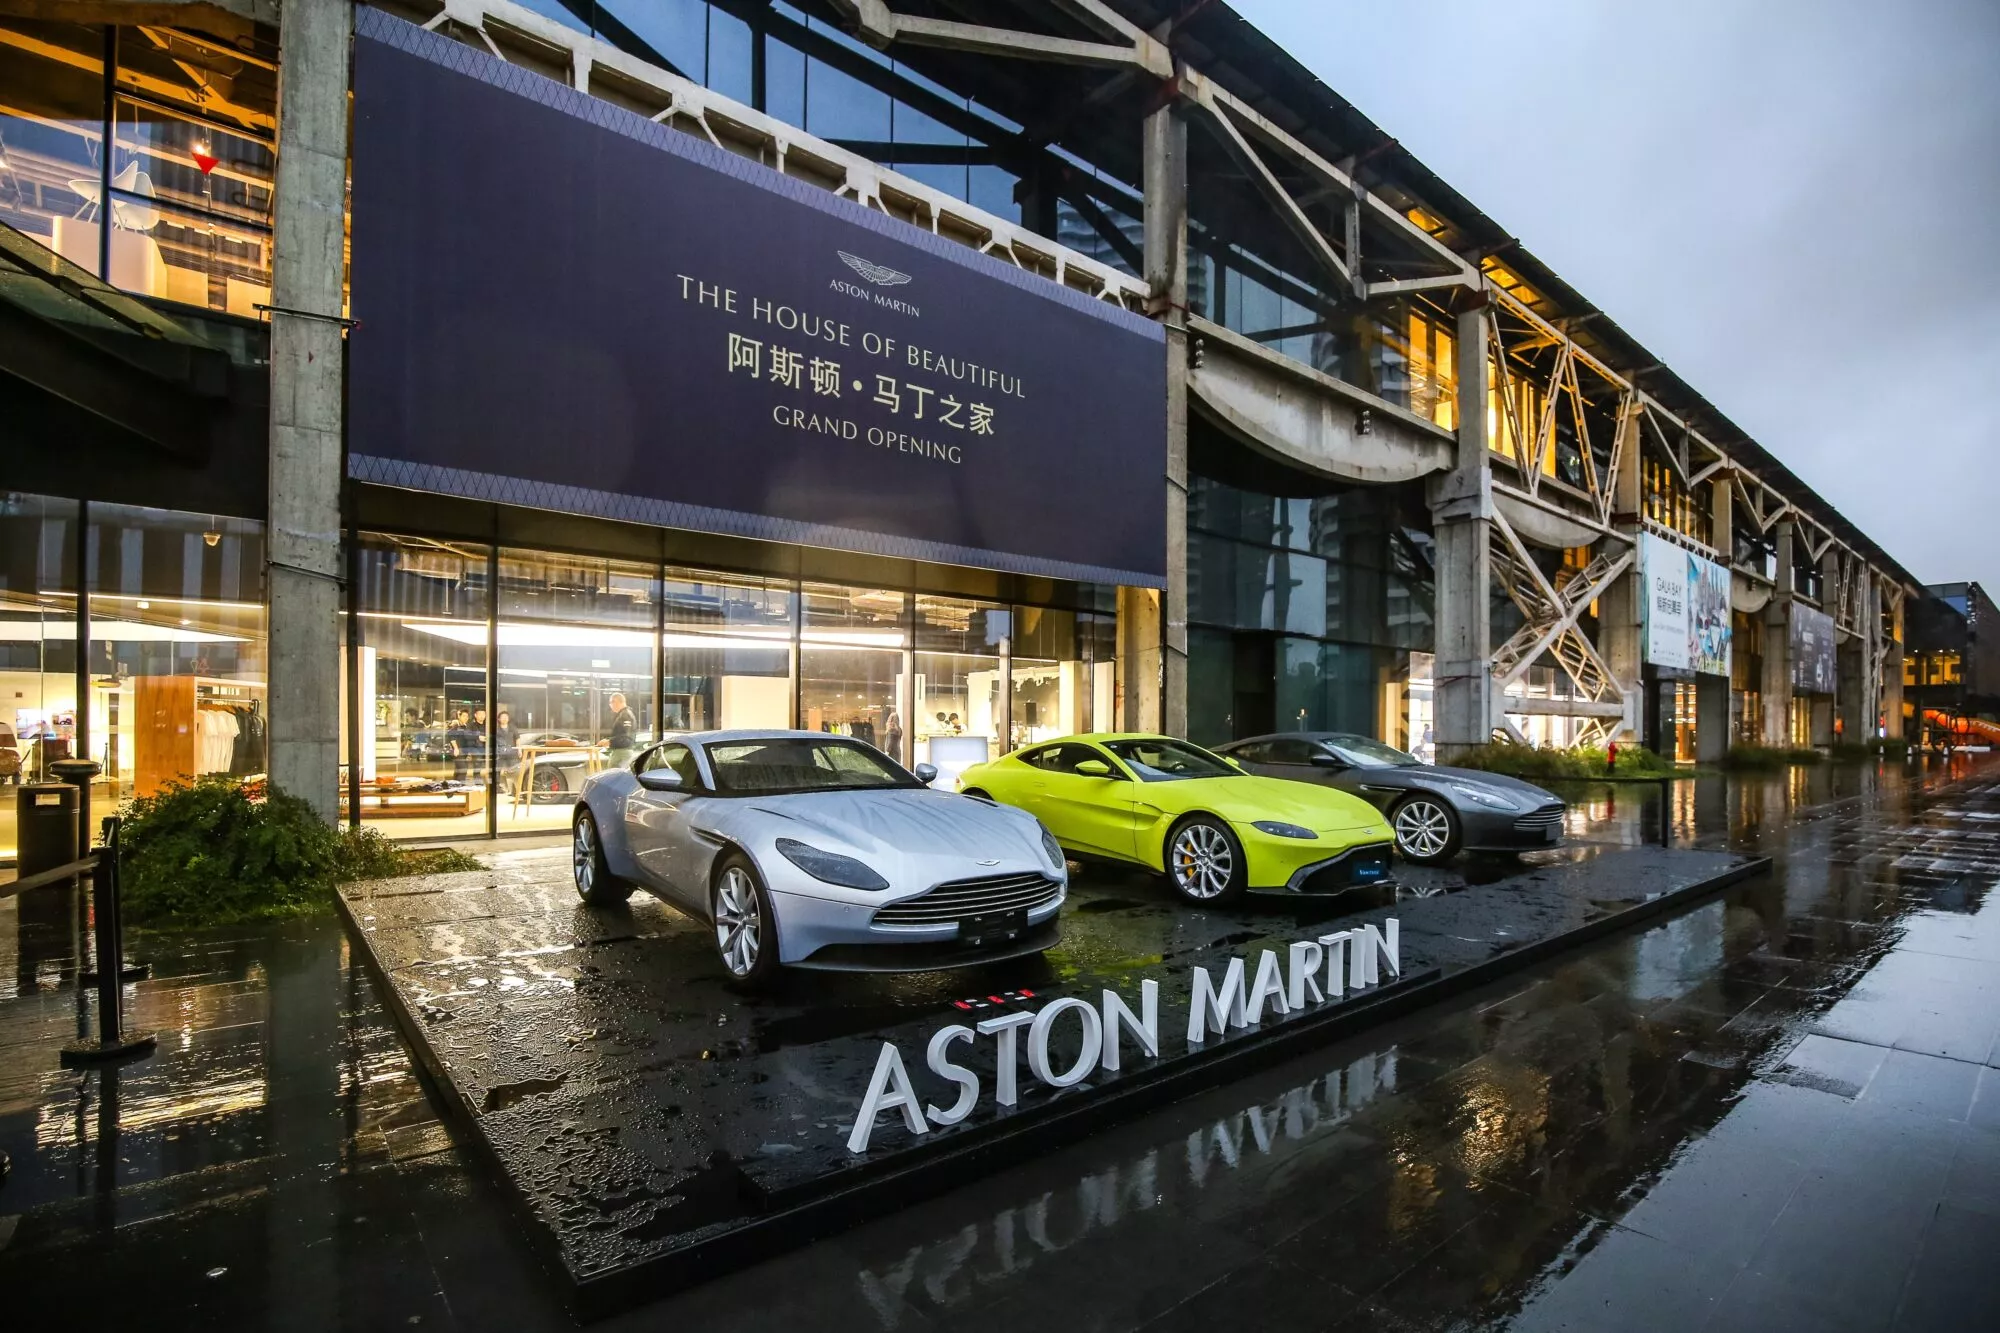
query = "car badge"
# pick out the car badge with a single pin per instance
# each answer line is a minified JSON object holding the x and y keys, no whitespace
{"x":879,"y":274}
{"x":993,"y":862}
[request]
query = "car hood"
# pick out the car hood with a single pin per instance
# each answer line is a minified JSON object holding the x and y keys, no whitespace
{"x":901,"y":821}
{"x":1247,"y":799}
{"x":1525,"y":794}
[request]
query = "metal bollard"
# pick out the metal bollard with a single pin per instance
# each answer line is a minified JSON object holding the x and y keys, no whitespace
{"x":111,"y":1043}
{"x":1666,"y":812}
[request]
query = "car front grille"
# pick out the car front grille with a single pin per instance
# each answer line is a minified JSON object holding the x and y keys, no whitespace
{"x":1540,"y":821}
{"x":970,"y":897}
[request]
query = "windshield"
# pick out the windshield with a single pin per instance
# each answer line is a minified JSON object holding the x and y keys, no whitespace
{"x":801,"y":763}
{"x":1362,"y":752}
{"x":1170,"y":761}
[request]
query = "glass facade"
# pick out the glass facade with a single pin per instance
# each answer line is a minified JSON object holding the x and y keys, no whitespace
{"x":174,"y":668}
{"x":185,"y":185}
{"x":1309,"y":613}
{"x":592,"y":658}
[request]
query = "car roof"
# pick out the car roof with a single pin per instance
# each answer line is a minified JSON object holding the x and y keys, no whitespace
{"x":753,"y":734}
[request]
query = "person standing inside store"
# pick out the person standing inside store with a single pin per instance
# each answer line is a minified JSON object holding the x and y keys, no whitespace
{"x":892,"y":735}
{"x":624,"y":732}
{"x":506,"y":745}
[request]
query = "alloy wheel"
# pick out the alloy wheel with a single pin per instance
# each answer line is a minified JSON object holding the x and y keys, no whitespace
{"x":583,"y":853}
{"x":1203,"y":863}
{"x":738,"y":921}
{"x":1423,"y":828}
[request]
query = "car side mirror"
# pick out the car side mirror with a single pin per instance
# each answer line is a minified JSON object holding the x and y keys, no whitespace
{"x":661,"y":779}
{"x":926,"y":773}
{"x":1328,"y":761}
{"x":1093,"y":768}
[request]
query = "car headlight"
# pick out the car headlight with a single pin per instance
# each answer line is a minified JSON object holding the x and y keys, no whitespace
{"x":1054,"y":849}
{"x":1482,"y":796}
{"x":829,"y":866}
{"x":1278,"y":828}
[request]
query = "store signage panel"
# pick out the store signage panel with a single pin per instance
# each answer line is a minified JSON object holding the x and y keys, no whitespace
{"x":1813,"y":645}
{"x":1687,"y":613}
{"x":563,"y":304}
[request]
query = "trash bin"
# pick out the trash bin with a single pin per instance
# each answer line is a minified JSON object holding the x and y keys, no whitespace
{"x":46,"y":814}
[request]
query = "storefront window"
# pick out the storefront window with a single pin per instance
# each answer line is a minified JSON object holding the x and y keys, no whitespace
{"x":574,"y":684}
{"x":728,"y":652}
{"x":37,"y":643}
{"x":422,"y":672}
{"x":852,"y":658}
{"x":1065,"y":674}
{"x":958,"y":705}
{"x":177,"y":647}
{"x":187,"y":189}
{"x":52,"y":134}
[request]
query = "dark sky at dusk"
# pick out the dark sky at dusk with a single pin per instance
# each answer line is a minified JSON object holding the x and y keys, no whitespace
{"x":1793,"y":203}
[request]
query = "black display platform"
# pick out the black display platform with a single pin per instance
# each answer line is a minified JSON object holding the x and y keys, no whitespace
{"x":655,"y":1126}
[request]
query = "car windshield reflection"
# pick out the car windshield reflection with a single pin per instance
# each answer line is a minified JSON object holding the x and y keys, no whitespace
{"x":1170,"y":761}
{"x":1363,"y":752}
{"x":783,"y":765}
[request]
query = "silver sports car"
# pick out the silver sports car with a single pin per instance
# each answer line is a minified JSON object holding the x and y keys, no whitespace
{"x":809,"y":850}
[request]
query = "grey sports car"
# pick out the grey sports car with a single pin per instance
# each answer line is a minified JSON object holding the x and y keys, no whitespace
{"x":803,"y":849}
{"x":1435,"y":812}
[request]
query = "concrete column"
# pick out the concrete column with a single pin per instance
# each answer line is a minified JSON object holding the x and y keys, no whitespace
{"x":1139,"y":672}
{"x":1777,"y":684}
{"x":1892,"y":677}
{"x":1711,"y":717}
{"x":1461,"y":504}
{"x":308,"y":205}
{"x":1166,"y":275}
{"x":1619,"y":636}
{"x":1722,"y":515}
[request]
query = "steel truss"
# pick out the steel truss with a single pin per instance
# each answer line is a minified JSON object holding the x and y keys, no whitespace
{"x":518,"y":35}
{"x":1550,"y":610}
{"x":1291,"y":178}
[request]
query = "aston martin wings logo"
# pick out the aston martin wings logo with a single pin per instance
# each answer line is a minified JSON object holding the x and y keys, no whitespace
{"x":879,"y":274}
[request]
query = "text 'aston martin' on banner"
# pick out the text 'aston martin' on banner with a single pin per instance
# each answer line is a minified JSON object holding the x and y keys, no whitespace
{"x":566,"y":305}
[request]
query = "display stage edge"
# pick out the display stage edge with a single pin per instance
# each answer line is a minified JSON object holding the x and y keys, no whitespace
{"x":655,"y":1127}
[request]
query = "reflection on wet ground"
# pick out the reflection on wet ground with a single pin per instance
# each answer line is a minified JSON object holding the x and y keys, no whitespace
{"x":1777,"y":1110}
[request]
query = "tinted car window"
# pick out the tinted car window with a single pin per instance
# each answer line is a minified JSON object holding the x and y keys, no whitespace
{"x":676,"y":757}
{"x":1250,"y":752}
{"x":794,"y":764}
{"x":1169,"y":760}
{"x":1290,"y":752}
{"x":1063,"y":758}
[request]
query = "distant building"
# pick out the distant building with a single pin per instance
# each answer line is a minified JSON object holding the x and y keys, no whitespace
{"x":1953,"y":664}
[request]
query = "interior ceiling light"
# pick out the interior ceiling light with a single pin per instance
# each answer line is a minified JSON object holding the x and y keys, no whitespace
{"x":213,"y":535}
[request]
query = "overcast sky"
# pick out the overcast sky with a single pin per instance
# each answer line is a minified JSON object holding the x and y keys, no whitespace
{"x":1793,"y":203}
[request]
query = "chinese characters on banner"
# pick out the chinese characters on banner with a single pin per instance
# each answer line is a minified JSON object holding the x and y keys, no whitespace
{"x":1687,"y":614}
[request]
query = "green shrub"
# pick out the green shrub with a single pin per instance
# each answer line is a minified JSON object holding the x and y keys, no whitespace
{"x":1891,"y":748}
{"x":366,"y":854}
{"x":1769,"y":757}
{"x":1528,"y":761}
{"x":215,"y":850}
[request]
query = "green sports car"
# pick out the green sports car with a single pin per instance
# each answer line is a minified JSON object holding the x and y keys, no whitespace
{"x":1214,"y":830}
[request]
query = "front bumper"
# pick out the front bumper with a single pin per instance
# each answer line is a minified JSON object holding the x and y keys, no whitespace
{"x":837,"y":935}
{"x":1286,"y":863}
{"x":1357,"y":867}
{"x":1482,"y":830}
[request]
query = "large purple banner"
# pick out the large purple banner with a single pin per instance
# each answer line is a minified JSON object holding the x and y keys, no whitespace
{"x":565,"y":305}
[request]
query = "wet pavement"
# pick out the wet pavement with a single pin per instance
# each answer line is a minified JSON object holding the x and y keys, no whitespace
{"x":1775,"y":1110}
{"x":642,"y":1109}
